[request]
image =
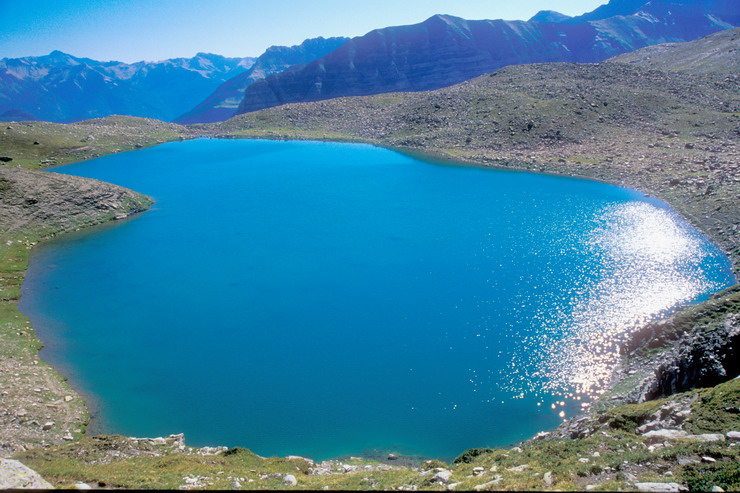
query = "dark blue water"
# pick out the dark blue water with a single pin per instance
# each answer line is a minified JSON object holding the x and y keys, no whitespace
{"x":324,"y":299}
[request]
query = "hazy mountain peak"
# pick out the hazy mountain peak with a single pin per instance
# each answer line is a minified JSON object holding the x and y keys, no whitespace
{"x":549,"y":16}
{"x":224,"y":101}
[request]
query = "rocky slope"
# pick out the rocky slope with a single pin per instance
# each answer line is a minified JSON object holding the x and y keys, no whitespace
{"x":446,"y":50}
{"x":714,"y":54}
{"x":224,"y":101}
{"x":62,"y":88}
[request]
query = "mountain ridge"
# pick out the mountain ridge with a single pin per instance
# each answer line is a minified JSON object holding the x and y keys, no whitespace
{"x":444,"y":50}
{"x":63,"y":88}
{"x":225,"y":99}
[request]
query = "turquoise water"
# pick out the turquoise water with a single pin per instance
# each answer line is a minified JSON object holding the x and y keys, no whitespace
{"x":323,"y":299}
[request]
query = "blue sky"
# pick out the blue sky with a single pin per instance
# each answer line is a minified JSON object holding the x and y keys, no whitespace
{"x":133,"y":30}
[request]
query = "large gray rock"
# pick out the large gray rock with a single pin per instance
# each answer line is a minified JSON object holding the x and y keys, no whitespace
{"x":660,"y":487}
{"x":442,"y":476}
{"x":656,"y":436}
{"x":14,"y":475}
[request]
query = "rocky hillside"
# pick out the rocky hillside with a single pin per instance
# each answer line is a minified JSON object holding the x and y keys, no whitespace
{"x":224,"y":101}
{"x":446,"y":50}
{"x":714,"y":54}
{"x":62,"y":88}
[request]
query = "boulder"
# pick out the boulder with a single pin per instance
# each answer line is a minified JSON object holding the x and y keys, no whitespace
{"x":442,"y":476}
{"x":660,"y":487}
{"x":657,"y":436}
{"x":708,"y":437}
{"x":15,"y":475}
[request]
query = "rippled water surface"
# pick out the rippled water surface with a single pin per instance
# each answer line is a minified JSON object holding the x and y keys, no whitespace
{"x":324,"y":299}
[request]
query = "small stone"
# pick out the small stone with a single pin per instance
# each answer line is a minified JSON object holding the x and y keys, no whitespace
{"x":489,"y":485}
{"x":717,"y":489}
{"x":68,"y":398}
{"x":547,"y":478}
{"x":236,"y":484}
{"x":590,"y":487}
{"x":443,"y":476}
{"x":48,"y":426}
{"x":583,"y":460}
{"x":709,"y":460}
{"x":289,"y":480}
{"x":733,"y":435}
{"x":392,"y":457}
{"x":452,"y":486}
{"x":82,"y":486}
{"x":68,"y":437}
{"x":477,"y":471}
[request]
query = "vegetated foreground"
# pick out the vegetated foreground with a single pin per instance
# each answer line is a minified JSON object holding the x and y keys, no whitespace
{"x":671,"y":135}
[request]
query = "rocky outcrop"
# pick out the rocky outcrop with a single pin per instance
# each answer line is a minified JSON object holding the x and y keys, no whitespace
{"x":224,"y":101}
{"x":445,"y":50}
{"x":699,"y":359}
{"x":48,"y":203}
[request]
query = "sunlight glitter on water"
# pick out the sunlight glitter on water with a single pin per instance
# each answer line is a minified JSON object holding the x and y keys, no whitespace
{"x":650,"y":263}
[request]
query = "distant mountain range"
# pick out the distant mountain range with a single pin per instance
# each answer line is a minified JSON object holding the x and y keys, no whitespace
{"x":224,"y":101}
{"x":439,"y":52}
{"x":445,"y":50}
{"x":63,"y":88}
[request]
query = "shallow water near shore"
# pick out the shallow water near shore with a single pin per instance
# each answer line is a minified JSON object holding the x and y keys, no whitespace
{"x":323,"y":299}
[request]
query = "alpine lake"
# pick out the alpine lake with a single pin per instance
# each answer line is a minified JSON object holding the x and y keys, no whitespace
{"x":324,"y":299}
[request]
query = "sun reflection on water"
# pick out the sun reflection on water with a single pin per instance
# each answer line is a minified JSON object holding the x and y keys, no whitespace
{"x":649,"y":263}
